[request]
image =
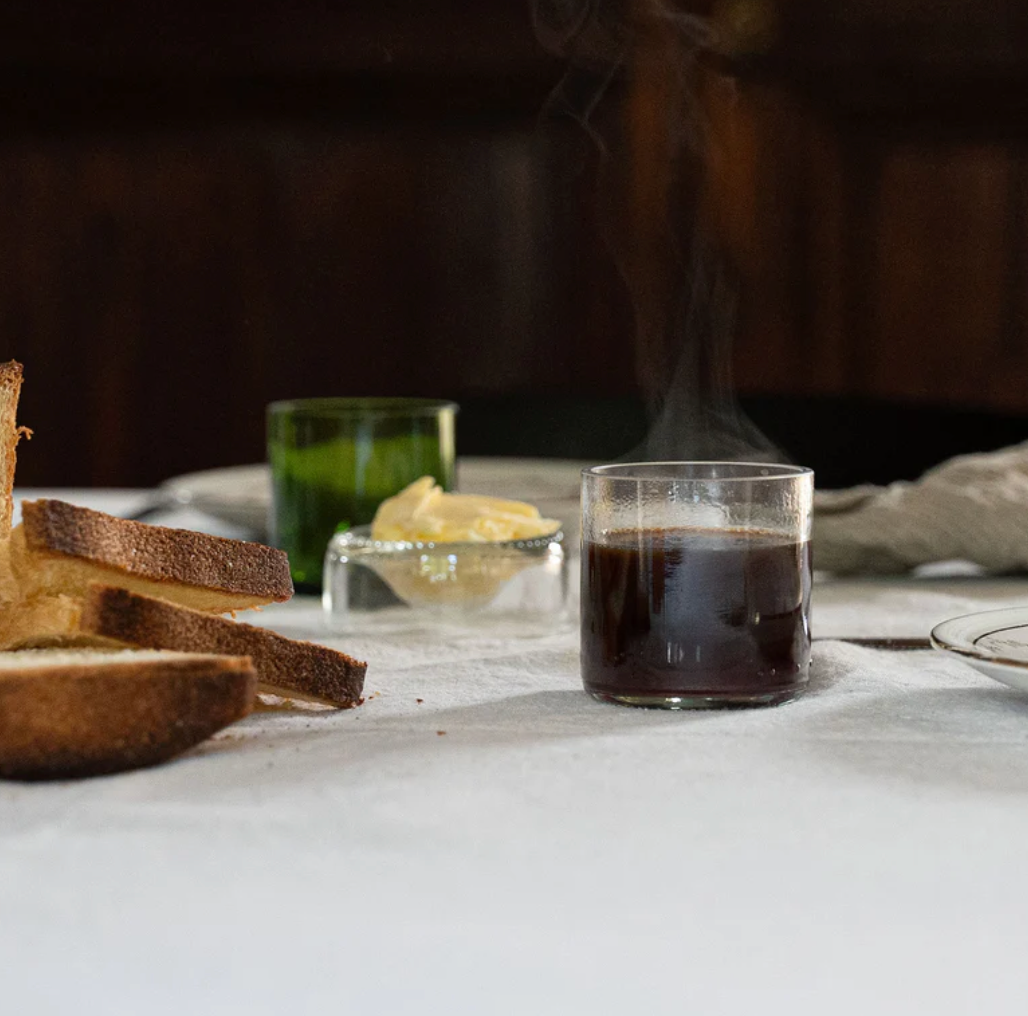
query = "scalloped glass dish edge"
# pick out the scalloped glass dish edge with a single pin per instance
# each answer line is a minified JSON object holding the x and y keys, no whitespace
{"x":453,"y":546}
{"x":522,"y":582}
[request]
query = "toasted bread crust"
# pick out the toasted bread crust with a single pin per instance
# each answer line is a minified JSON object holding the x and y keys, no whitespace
{"x":10,"y":433}
{"x":156,"y":553}
{"x":93,"y":718}
{"x":304,"y":667}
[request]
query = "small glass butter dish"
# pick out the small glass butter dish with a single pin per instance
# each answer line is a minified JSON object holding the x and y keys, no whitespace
{"x":526,"y":582}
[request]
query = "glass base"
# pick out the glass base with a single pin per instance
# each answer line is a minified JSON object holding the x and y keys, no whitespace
{"x":703,"y":700}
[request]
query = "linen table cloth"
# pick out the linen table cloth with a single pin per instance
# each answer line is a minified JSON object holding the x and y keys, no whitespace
{"x":508,"y":845}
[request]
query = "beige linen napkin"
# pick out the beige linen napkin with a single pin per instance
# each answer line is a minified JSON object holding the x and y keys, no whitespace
{"x":971,"y":508}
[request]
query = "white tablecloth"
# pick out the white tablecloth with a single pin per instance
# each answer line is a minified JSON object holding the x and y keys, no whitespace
{"x":508,"y":845}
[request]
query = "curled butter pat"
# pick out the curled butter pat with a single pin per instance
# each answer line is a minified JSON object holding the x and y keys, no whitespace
{"x":424,"y":512}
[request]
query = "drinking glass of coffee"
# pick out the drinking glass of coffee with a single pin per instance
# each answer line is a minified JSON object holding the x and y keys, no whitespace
{"x":696,"y":583}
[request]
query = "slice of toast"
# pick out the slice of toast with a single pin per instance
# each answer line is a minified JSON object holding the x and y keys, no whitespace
{"x":10,"y":434}
{"x":61,"y":548}
{"x":84,"y":713}
{"x":110,"y":616}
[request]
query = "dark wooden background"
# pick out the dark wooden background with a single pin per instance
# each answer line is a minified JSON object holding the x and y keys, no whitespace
{"x":207,"y":206}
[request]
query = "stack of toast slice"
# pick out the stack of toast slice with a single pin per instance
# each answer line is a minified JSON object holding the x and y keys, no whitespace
{"x":71,"y":577}
{"x":110,"y":616}
{"x":85,"y":578}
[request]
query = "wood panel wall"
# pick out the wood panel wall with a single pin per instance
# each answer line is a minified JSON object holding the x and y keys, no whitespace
{"x":877,"y":239}
{"x":162,"y":289}
{"x":273,"y":200}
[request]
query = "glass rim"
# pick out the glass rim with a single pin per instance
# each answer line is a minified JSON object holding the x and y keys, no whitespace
{"x":642,"y":474}
{"x":363,"y":405}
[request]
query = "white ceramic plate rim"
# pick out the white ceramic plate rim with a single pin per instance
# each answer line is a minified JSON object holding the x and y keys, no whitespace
{"x":216,"y":484}
{"x":242,"y":494}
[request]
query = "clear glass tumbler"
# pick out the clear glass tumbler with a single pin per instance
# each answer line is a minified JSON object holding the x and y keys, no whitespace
{"x":696,"y":583}
{"x":333,"y":461}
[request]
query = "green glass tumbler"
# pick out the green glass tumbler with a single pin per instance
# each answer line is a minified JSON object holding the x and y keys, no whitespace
{"x":333,"y":461}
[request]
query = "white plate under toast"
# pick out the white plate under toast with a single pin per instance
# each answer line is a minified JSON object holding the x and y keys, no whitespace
{"x":241,"y":495}
{"x":994,"y":642}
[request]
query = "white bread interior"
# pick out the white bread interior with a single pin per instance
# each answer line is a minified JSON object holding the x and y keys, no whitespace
{"x":38,"y":573}
{"x":64,"y":659}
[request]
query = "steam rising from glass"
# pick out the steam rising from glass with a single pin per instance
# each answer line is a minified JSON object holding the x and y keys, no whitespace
{"x":641,"y":59}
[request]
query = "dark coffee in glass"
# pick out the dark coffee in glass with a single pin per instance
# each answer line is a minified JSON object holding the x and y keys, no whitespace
{"x":706,"y":600}
{"x":696,"y":614}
